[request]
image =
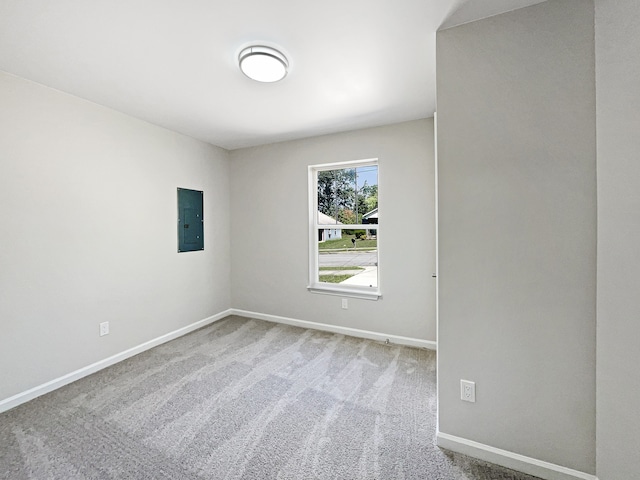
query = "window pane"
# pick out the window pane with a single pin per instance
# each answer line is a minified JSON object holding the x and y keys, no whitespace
{"x":367,"y":178}
{"x":348,"y":195}
{"x":348,"y":257}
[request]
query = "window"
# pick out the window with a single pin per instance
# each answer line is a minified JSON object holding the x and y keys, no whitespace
{"x":343,"y":229}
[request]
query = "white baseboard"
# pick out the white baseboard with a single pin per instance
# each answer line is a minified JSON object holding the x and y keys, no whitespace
{"x":515,"y":461}
{"x":353,"y":332}
{"x":34,"y":392}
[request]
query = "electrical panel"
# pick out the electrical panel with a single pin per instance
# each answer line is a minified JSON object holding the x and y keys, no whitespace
{"x":190,"y":220}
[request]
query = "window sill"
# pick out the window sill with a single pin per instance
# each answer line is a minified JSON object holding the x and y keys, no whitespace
{"x":345,"y":292}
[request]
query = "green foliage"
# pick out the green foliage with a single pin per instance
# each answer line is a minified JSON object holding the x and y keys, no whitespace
{"x":341,"y":268}
{"x":352,"y":233}
{"x":371,"y":202}
{"x":369,"y":190}
{"x":342,"y":199}
{"x":334,"y":278}
{"x":368,"y":198}
{"x":336,"y":191}
{"x":347,"y":216}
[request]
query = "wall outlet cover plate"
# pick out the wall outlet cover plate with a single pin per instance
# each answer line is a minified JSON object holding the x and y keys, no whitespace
{"x":467,"y":391}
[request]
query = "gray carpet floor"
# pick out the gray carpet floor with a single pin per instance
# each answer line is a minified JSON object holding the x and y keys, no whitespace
{"x":243,"y":399}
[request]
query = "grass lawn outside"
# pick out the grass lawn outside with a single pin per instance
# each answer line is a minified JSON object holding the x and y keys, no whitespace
{"x":346,"y":243}
{"x":334,"y":278}
{"x":341,"y":268}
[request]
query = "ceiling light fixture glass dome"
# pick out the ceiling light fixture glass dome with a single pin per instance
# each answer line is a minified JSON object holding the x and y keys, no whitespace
{"x":263,"y":64}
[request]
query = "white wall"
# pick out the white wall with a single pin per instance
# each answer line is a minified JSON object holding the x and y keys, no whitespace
{"x":517,"y":231}
{"x":269,"y":229}
{"x":618,"y":105}
{"x":88,"y":233}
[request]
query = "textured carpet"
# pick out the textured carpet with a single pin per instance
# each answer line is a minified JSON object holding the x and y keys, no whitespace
{"x":242,"y":399}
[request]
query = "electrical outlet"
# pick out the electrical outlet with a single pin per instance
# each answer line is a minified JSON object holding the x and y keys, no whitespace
{"x":468,"y":391}
{"x":345,"y":304}
{"x":104,"y":329}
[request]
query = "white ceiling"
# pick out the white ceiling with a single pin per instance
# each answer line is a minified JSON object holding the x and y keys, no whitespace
{"x":469,"y":11}
{"x":354,"y":63}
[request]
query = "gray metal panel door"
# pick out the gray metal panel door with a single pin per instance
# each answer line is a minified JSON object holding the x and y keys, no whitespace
{"x":190,"y":220}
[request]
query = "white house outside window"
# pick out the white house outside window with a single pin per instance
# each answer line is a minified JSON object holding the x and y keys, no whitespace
{"x":344,"y":229}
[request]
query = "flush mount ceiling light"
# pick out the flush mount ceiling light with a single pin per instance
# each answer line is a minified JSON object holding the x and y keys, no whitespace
{"x":263,"y":64}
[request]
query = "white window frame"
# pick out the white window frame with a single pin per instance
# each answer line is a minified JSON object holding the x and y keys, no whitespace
{"x":315,"y":286}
